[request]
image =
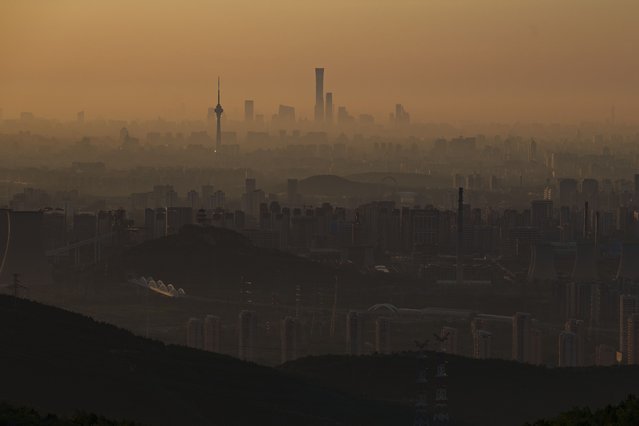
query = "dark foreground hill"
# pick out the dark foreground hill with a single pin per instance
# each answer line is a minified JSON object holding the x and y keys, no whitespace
{"x":61,"y":362}
{"x":490,"y":392}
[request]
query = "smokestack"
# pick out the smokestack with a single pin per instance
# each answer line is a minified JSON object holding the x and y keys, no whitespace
{"x":460,"y":236}
{"x":596,"y":231}
{"x":319,"y":94}
{"x":586,"y":220}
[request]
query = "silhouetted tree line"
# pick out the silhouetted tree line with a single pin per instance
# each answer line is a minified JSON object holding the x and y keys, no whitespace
{"x":624,"y":414}
{"x":23,"y":416}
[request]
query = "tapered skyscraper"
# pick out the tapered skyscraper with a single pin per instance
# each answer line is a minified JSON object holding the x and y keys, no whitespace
{"x":319,"y":94}
{"x":328,"y":116}
{"x":218,"y":115}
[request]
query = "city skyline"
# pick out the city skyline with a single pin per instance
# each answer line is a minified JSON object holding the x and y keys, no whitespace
{"x":419,"y":212}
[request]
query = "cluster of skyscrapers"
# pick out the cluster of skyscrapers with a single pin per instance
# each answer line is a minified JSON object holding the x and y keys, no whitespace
{"x":324,"y":112}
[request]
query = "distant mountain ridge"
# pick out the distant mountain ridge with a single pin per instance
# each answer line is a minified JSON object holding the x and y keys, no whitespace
{"x":211,"y":261}
{"x":336,"y":186}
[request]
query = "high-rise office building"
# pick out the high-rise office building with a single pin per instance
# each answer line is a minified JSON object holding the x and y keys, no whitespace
{"x":289,"y":333}
{"x":567,"y":192}
{"x":567,"y":349}
{"x":178,"y":217}
{"x":354,"y":329}
{"x":218,"y":200}
{"x":250,"y":185}
{"x":292,"y":195}
{"x":383,"y":335}
{"x":628,"y":305}
{"x":578,"y":328}
{"x":536,"y":346}
{"x":286,"y":114}
{"x":247,"y":331}
{"x":328,"y":116}
{"x":590,"y":190}
{"x":605,"y":356}
{"x":194,"y":333}
{"x":206,"y":193}
{"x":482,"y":342}
{"x":27,"y":116}
{"x":252,"y":198}
{"x":632,"y":354}
{"x":541,"y":213}
{"x":193,"y":199}
{"x":156,"y":223}
{"x":401,"y":116}
{"x":343,"y":117}
{"x":450,"y":342}
{"x":248,"y":110}
{"x":212,"y":333}
{"x":532,"y":151}
{"x":319,"y":94}
{"x":522,"y":328}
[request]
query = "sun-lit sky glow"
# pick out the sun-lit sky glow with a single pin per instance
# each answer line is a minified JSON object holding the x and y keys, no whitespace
{"x":445,"y":60}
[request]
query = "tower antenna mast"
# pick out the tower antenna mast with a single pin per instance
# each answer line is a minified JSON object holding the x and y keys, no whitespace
{"x":218,"y":115}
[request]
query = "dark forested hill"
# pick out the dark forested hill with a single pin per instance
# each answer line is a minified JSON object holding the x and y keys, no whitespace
{"x":57,"y":361}
{"x":480,"y":392}
{"x":60,"y":362}
{"x":211,"y":261}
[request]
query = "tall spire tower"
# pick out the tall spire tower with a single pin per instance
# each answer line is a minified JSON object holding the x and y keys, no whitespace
{"x":218,"y":114}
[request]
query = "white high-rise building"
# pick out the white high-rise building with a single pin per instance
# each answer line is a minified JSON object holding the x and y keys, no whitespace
{"x":289,"y":332}
{"x":247,"y":331}
{"x":567,"y":349}
{"x":194,"y":333}
{"x":212,"y":333}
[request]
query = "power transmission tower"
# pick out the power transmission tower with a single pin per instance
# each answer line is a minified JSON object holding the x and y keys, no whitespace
{"x":441,"y":417}
{"x":334,"y":312}
{"x":421,"y":404}
{"x":17,"y":285}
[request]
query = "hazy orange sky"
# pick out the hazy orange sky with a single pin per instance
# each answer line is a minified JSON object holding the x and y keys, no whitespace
{"x":445,"y":60}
